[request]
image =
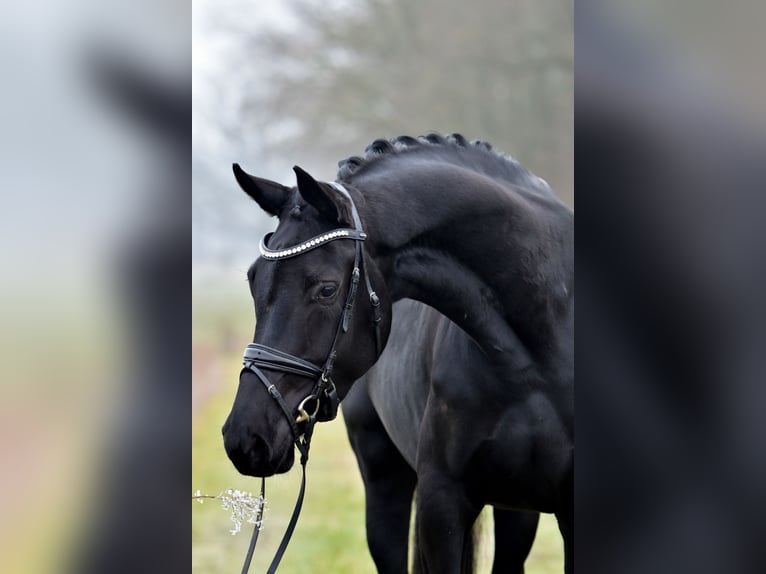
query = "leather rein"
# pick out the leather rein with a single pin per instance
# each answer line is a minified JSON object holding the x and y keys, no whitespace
{"x":322,"y":403}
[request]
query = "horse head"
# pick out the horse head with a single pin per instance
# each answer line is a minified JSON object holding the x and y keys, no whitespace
{"x":320,"y":323}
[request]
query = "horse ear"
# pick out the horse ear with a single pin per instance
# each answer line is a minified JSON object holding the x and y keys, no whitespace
{"x":328,"y":201}
{"x":270,"y":195}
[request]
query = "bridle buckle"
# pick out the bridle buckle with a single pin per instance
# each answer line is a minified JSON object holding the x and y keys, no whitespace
{"x":303,"y":414}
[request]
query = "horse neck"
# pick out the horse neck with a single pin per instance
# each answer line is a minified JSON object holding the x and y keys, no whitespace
{"x":495,"y":263}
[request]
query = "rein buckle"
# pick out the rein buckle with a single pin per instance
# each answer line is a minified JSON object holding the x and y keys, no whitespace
{"x":303,"y":414}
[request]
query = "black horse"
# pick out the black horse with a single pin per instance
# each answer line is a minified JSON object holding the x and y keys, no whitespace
{"x":472,"y":234}
{"x":428,"y":358}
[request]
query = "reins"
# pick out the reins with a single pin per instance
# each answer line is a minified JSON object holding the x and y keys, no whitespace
{"x":322,"y":403}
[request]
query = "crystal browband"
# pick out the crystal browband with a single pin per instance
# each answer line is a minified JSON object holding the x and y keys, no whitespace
{"x":309,"y":244}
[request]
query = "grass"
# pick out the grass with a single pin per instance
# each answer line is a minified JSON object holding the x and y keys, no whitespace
{"x":330,"y":533}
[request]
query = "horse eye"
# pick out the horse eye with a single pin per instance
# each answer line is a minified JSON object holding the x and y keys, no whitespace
{"x":327,"y":291}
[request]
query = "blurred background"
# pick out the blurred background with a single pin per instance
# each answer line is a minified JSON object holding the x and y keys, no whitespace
{"x":94,"y":229}
{"x":670,"y":173}
{"x":308,"y":82}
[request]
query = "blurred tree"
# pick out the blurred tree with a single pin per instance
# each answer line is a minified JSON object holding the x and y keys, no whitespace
{"x":348,"y":73}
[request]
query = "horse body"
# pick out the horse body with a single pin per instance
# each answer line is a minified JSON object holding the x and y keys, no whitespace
{"x":478,"y":238}
{"x":495,"y":257}
{"x":431,"y":360}
{"x":432,"y":384}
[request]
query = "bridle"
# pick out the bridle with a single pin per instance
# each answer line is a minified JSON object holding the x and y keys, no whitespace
{"x":322,"y":403}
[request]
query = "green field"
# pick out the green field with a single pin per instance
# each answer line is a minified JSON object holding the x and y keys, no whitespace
{"x":330,"y":534}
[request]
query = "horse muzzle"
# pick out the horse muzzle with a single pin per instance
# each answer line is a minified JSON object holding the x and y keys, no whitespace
{"x":253,"y":455}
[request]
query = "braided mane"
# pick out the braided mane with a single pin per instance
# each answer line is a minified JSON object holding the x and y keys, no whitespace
{"x":454,"y":148}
